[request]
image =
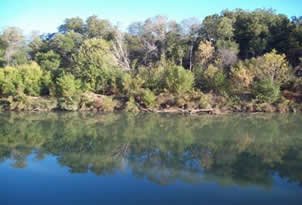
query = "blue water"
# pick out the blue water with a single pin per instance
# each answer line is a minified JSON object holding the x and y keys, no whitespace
{"x":121,"y":159}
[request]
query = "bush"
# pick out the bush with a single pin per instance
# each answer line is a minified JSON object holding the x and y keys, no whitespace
{"x":177,"y":80}
{"x":90,"y":101}
{"x":27,"y":103}
{"x":67,"y":86}
{"x":152,"y":77}
{"x":47,"y":87}
{"x":18,"y":103}
{"x":68,"y":103}
{"x":204,"y":101}
{"x":31,"y":77}
{"x":109,"y":81}
{"x":264,"y":107}
{"x":166,"y":100}
{"x":19,"y":57}
{"x":266,"y":90}
{"x":187,"y":100}
{"x":147,"y":97}
{"x":2,"y":77}
{"x":295,"y":84}
{"x":131,"y":106}
{"x":96,"y":65}
{"x":241,"y":78}
{"x":11,"y":81}
{"x":108,"y":104}
{"x":272,"y":65}
{"x":49,"y":61}
{"x":211,"y":78}
{"x":284,"y":105}
{"x":23,"y":79}
{"x":204,"y":52}
{"x":132,"y":84}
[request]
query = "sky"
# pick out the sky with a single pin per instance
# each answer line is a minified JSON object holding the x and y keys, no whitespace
{"x":46,"y":15}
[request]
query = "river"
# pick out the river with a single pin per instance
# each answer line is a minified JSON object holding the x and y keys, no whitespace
{"x":76,"y":158}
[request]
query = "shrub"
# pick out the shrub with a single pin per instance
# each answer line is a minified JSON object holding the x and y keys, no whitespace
{"x":266,"y":90}
{"x":147,"y":97}
{"x":131,"y":106}
{"x":18,"y":102}
{"x":11,"y":82}
{"x":90,"y":101}
{"x":67,"y":86}
{"x":181,"y":101}
{"x":19,"y":57}
{"x":241,"y":78}
{"x":132,"y":84}
{"x":264,"y":107}
{"x":227,"y":57}
{"x":109,"y":81}
{"x":68,"y":103}
{"x":204,"y":101}
{"x":49,"y":61}
{"x":166,"y":100}
{"x":23,"y":79}
{"x":152,"y":77}
{"x":211,"y":78}
{"x":273,"y":65}
{"x":108,"y":104}
{"x":177,"y":80}
{"x":2,"y":77}
{"x":133,"y":87}
{"x":96,"y":65}
{"x":270,"y":65}
{"x":47,"y":87}
{"x":204,"y":53}
{"x":87,"y":101}
{"x":284,"y":105}
{"x":29,"y":103}
{"x":31,"y":77}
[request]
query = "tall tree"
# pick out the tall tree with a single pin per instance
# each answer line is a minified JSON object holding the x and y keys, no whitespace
{"x":120,"y":49}
{"x":191,"y":32}
{"x":15,"y":51}
{"x":99,"y":28}
{"x":93,"y":62}
{"x":75,"y":24}
{"x":294,"y":51}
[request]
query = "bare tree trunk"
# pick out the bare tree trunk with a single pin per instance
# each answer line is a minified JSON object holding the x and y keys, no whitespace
{"x":8,"y":55}
{"x":120,"y":51}
{"x":191,"y":56}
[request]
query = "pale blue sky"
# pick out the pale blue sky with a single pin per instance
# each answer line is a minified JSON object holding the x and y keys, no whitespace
{"x":47,"y":15}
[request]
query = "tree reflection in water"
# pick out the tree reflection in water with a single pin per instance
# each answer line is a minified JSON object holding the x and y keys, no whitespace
{"x":238,"y":149}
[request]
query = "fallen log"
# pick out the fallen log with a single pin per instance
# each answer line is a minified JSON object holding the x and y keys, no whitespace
{"x":175,"y":110}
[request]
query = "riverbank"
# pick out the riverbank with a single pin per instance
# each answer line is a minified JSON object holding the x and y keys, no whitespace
{"x":164,"y":103}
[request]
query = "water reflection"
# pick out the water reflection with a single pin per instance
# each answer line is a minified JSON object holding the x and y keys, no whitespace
{"x":164,"y":149}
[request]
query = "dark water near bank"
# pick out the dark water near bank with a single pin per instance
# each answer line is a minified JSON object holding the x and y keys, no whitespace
{"x":150,"y":159}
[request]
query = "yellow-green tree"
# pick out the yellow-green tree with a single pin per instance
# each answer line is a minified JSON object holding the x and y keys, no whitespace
{"x":95,"y":63}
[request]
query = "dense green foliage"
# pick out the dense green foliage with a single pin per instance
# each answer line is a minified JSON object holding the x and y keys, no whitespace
{"x":67,"y":85}
{"x":25,"y":78}
{"x":252,"y":56}
{"x":266,"y":90}
{"x":177,"y":80}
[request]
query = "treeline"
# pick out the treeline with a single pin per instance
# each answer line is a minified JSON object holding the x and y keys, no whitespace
{"x":237,"y":60}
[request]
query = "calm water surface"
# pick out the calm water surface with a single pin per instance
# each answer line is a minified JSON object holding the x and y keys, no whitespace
{"x":150,"y":159}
